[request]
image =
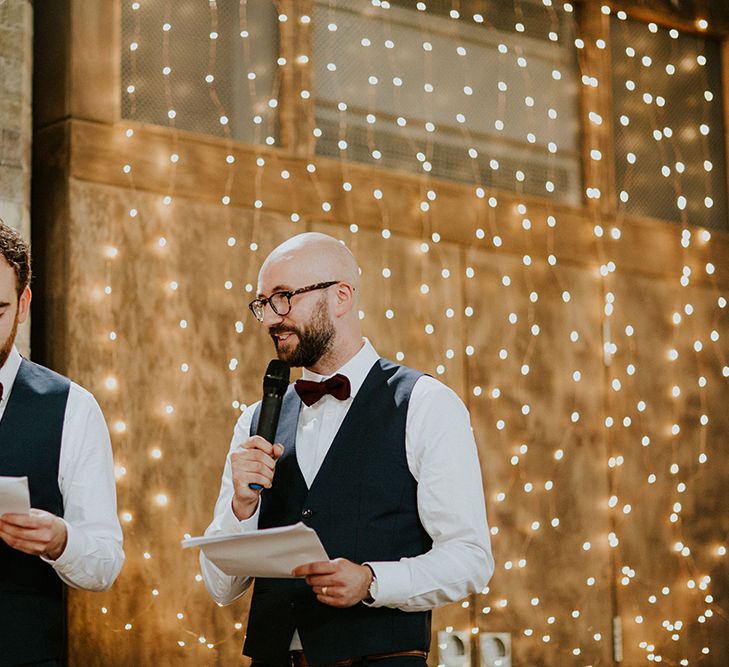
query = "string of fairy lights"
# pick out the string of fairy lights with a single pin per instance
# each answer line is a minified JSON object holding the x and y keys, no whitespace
{"x":652,"y":652}
{"x":522,"y":290}
{"x":657,"y":644}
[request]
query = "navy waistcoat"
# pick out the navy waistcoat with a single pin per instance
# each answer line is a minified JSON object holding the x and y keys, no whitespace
{"x":363,"y":506}
{"x":32,"y":597}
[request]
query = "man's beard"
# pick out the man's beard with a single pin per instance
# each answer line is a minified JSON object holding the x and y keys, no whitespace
{"x":314,"y":341}
{"x":7,"y":345}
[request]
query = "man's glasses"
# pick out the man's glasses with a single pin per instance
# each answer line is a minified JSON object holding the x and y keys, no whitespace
{"x":280,"y":302}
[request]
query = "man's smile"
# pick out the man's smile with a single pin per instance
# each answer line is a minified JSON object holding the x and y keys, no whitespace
{"x":282,"y":336}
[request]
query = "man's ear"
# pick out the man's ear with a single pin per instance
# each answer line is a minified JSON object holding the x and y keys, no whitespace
{"x":345,"y":299}
{"x":24,"y":304}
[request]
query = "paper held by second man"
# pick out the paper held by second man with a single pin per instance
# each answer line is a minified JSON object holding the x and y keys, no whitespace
{"x":14,"y":495}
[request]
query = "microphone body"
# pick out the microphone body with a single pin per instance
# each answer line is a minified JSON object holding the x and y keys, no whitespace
{"x":270,"y":412}
{"x":275,"y":383}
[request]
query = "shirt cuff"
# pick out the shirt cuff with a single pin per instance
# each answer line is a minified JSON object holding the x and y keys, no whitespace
{"x":393,"y":583}
{"x":229,"y":522}
{"x":72,"y":553}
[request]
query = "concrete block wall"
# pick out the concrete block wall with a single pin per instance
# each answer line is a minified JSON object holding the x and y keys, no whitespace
{"x":16,"y":63}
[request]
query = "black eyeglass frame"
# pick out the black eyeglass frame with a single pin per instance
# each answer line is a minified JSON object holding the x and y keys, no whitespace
{"x":261,"y":303}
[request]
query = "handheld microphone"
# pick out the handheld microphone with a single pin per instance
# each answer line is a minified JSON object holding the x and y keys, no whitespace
{"x":275,"y":383}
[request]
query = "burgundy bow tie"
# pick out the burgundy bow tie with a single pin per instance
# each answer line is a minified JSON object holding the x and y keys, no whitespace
{"x":310,"y":392}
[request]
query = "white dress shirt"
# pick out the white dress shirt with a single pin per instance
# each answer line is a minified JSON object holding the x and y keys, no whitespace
{"x":442,"y":457}
{"x":93,"y":555}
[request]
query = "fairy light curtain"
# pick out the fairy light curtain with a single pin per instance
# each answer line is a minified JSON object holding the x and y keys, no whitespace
{"x":487,"y":93}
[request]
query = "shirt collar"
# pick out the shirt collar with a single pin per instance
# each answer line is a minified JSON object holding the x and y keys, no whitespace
{"x":9,"y":371}
{"x":356,"y":369}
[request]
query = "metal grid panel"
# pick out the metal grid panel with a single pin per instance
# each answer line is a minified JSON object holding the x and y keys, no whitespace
{"x":493,"y":102}
{"x":170,"y":51}
{"x":669,"y":130}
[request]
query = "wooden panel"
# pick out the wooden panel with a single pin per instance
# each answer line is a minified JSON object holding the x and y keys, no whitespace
{"x":146,"y":360}
{"x":540,"y":594}
{"x":645,"y":246}
{"x":145,"y":313}
{"x":647,"y":536}
{"x":151,"y":346}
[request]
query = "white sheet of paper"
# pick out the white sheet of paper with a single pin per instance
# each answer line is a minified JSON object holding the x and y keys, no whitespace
{"x":272,"y":552}
{"x":14,"y":495}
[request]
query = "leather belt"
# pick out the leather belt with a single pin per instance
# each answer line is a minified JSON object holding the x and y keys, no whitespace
{"x":298,"y":659}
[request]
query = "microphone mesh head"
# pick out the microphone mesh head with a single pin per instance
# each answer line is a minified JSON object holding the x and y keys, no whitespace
{"x":277,"y":376}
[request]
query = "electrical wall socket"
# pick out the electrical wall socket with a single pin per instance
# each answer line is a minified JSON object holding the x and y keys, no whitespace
{"x":454,"y":648}
{"x":495,"y":649}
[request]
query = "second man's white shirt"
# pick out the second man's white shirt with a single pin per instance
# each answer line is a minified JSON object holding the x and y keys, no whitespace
{"x":93,"y":555}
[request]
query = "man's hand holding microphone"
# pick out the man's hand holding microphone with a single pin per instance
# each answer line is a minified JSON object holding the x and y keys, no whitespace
{"x":254,"y":462}
{"x":253,"y":465}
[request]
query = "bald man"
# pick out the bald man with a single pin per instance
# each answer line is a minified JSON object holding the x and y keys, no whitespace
{"x":378,"y":458}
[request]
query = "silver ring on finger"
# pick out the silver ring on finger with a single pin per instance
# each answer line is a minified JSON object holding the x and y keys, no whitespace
{"x":324,"y":590}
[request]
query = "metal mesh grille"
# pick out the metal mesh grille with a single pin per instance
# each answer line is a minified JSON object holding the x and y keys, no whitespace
{"x":535,"y":19}
{"x":490,"y":103}
{"x":669,"y":131}
{"x":203,"y":67}
{"x":447,"y":159}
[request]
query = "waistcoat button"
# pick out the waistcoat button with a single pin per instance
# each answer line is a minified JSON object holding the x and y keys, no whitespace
{"x":307,"y":513}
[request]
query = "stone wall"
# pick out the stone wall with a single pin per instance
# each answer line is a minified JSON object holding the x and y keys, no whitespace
{"x":16,"y":63}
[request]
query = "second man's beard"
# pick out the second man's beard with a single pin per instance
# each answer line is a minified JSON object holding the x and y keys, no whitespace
{"x":314,"y":341}
{"x":7,"y":345}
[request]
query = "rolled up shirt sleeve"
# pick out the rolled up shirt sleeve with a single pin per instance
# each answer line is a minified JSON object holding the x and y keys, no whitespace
{"x":443,"y":458}
{"x":93,"y":556}
{"x":222,"y":587}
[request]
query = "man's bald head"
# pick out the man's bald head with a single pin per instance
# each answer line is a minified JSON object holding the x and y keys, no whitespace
{"x":321,"y":330}
{"x":310,"y":258}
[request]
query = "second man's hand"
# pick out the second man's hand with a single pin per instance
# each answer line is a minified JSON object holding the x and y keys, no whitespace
{"x":338,"y":583}
{"x":38,"y":533}
{"x":254,"y":462}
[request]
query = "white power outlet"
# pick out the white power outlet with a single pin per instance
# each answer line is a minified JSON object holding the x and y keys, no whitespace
{"x":454,"y":648}
{"x":495,"y":649}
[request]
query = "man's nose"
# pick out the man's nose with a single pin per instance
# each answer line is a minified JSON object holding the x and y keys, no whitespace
{"x":270,"y":317}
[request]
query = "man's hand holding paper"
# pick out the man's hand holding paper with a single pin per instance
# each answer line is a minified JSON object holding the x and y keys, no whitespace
{"x":32,"y":531}
{"x":338,"y":582}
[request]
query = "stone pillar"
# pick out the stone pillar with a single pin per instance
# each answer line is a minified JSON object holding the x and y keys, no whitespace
{"x":16,"y":65}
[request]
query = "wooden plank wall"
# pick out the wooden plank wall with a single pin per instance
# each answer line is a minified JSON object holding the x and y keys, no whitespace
{"x":548,"y":449}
